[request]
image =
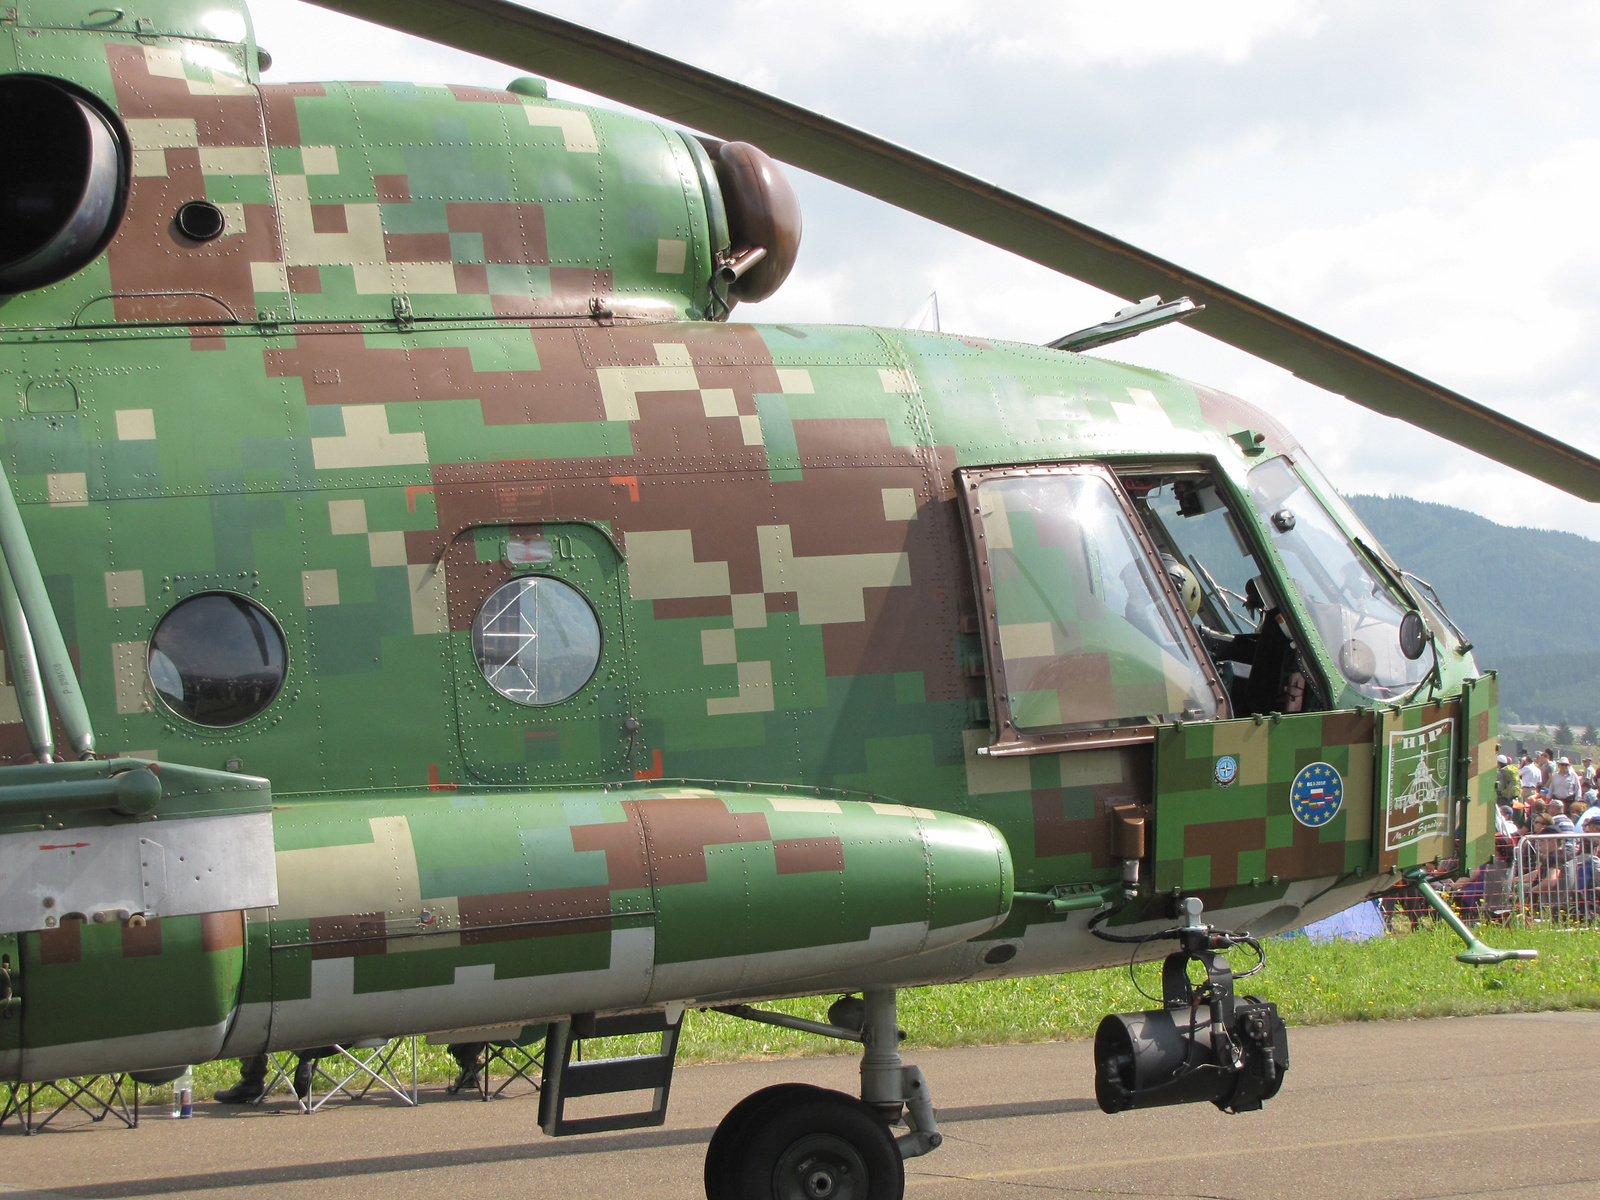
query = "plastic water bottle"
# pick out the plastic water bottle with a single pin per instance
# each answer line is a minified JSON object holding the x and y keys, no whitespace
{"x":183,"y":1094}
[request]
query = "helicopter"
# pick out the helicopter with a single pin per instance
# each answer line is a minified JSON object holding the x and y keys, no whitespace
{"x":428,"y":611}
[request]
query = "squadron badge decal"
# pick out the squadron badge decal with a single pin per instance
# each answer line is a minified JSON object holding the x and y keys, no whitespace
{"x":1316,"y":795}
{"x":1227,"y":770}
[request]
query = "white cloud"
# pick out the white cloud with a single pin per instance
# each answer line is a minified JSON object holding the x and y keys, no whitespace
{"x":1438,"y":284}
{"x":1089,"y":31}
{"x":307,"y":42}
{"x":1068,"y":31}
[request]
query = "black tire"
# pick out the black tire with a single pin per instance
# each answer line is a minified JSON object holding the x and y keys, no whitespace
{"x":732,"y":1133}
{"x":826,"y":1146}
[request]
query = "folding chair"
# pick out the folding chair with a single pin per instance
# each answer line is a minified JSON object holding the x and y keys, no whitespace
{"x":81,"y":1094}
{"x":370,"y":1063}
{"x":522,"y":1057}
{"x":517,"y":1048}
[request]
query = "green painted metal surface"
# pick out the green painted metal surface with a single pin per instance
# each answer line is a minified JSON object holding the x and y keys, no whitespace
{"x":1480,"y":742}
{"x":610,"y":67}
{"x":1223,"y":840}
{"x":163,"y":989}
{"x":87,"y":790}
{"x":451,"y":339}
{"x":1420,"y":775}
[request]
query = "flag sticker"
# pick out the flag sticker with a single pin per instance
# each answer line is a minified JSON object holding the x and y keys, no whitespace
{"x":1316,"y":795}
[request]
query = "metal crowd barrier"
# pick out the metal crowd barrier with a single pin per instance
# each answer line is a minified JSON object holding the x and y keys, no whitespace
{"x":1553,"y":879}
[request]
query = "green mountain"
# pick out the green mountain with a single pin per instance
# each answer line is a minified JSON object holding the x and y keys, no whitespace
{"x":1528,"y":598}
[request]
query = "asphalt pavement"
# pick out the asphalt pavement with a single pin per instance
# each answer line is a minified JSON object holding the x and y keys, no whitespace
{"x":1501,"y":1106}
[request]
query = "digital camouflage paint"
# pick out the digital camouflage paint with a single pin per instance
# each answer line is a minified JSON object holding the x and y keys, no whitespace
{"x":475,"y":628}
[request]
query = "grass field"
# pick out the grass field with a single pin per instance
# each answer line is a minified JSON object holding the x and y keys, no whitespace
{"x":1397,"y":977}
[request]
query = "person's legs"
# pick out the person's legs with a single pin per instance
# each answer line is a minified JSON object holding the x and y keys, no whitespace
{"x":466,"y":1055}
{"x":252,"y":1083}
{"x":307,"y":1064}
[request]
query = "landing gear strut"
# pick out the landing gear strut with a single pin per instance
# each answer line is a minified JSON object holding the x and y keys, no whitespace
{"x":799,"y":1142}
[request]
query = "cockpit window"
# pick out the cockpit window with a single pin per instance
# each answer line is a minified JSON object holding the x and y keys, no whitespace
{"x":1356,"y":614}
{"x":1430,"y":604}
{"x":1088,"y":633}
{"x":1188,"y":512}
{"x":1254,"y":647}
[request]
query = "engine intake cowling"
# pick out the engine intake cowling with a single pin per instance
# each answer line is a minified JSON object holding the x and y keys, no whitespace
{"x":63,"y":186}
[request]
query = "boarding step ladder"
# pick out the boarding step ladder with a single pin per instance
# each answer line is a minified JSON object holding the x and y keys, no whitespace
{"x":566,"y":1078}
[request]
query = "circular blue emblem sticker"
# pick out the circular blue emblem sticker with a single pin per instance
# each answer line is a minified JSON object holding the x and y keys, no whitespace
{"x":1227,"y":769}
{"x":1316,"y":794}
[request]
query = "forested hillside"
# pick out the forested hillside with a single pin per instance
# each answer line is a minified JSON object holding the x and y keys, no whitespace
{"x":1528,"y":598}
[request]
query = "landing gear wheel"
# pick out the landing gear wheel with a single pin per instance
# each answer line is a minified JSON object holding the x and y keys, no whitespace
{"x":728,"y":1142}
{"x":818,"y":1146}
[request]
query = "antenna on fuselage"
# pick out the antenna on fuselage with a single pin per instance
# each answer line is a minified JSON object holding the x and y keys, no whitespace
{"x":927,"y":317}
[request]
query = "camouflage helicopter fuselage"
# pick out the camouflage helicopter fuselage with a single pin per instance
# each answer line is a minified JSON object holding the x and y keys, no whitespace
{"x":451,"y":339}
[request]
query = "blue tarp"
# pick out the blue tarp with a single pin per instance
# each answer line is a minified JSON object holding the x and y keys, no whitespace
{"x":1355,"y":924}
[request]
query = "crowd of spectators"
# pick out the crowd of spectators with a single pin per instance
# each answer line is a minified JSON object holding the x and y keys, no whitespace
{"x":1547,"y":832}
{"x":1541,"y":795}
{"x":1547,"y":838}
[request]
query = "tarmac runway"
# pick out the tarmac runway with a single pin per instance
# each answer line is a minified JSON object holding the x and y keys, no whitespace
{"x":1503,"y":1106}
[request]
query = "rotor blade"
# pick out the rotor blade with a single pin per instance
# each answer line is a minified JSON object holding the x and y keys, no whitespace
{"x":632,"y":75}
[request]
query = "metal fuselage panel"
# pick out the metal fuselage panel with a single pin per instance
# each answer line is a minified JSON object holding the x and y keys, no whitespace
{"x":426,"y":913}
{"x":175,"y":868}
{"x":414,"y":357}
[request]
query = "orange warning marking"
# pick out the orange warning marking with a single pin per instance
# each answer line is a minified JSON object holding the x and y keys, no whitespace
{"x":655,"y":770}
{"x":433,"y":780}
{"x":414,"y":490}
{"x":632,"y":484}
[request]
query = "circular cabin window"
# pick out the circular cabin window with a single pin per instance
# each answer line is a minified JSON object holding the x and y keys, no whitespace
{"x":537,"y":640}
{"x":217,"y":659}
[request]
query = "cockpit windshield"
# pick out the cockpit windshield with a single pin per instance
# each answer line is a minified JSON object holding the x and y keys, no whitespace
{"x":1355,"y":612}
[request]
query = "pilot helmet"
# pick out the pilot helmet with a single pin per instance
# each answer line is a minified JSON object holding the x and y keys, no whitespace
{"x":1188,"y":587}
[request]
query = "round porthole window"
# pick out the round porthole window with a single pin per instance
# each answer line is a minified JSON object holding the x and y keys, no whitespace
{"x":217,"y":659}
{"x":537,"y":640}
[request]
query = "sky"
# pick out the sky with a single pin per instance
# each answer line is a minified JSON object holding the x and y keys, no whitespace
{"x":1417,"y":178}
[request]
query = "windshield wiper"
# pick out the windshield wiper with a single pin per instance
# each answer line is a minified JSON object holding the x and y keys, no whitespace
{"x":1434,"y":677}
{"x":1438,"y":606}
